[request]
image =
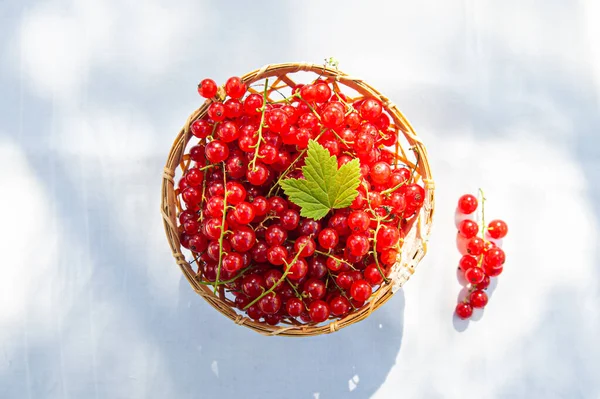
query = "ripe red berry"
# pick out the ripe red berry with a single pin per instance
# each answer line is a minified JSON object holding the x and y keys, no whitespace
{"x":339,"y":306}
{"x":270,"y":303}
{"x":235,"y":88}
{"x":294,"y":307}
{"x":277,"y":255}
{"x":253,"y":104}
{"x":216,"y":112}
{"x":478,"y":299}
{"x":201,"y":128}
{"x":474,"y":275}
{"x":467,"y":262}
{"x":494,"y":257}
{"x":360,"y":290}
{"x":475,"y":246}
{"x":232,"y":262}
{"x":298,"y":270}
{"x":242,"y":239}
{"x":207,"y":88}
{"x":380,"y":173}
{"x":328,"y":238}
{"x":243,"y":213}
{"x":468,"y":228}
{"x":497,"y":229}
{"x":464,"y":310}
{"x":357,"y":244}
{"x":216,"y":151}
{"x":371,"y":109}
{"x":358,"y":221}
{"x":467,"y":204}
{"x":258,"y":174}
{"x":305,"y":246}
{"x":387,"y":237}
{"x":372,"y":275}
{"x":314,"y":289}
{"x":318,"y":311}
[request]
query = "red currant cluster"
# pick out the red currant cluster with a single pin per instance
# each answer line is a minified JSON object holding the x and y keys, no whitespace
{"x":482,"y":257}
{"x":249,"y":239}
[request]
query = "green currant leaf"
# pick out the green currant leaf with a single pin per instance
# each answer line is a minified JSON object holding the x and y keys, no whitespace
{"x":324,"y":186}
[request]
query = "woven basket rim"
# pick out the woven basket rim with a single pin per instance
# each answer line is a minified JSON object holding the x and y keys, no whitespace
{"x":422,"y":223}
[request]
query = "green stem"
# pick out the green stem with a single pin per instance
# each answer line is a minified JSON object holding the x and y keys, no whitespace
{"x":336,"y":258}
{"x":482,"y":213}
{"x":375,"y":251}
{"x":222,"y":236}
{"x":281,"y":280}
{"x":332,"y":278}
{"x":231,"y":280}
{"x":260,"y":128}
{"x":391,"y":190}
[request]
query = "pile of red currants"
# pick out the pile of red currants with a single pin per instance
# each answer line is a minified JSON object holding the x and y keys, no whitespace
{"x":482,"y":257}
{"x":251,"y":241}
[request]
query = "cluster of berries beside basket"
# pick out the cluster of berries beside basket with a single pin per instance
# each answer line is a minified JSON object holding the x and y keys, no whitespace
{"x":482,"y":257}
{"x":296,"y":207}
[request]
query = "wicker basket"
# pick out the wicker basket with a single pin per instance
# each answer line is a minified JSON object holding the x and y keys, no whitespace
{"x":414,"y":245}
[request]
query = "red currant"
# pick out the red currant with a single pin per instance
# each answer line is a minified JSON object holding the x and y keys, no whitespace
{"x":467,"y":204}
{"x":235,"y":88}
{"x":497,"y":229}
{"x":468,"y":228}
{"x":464,"y":310}
{"x":360,"y":290}
{"x":478,"y":299}
{"x":207,"y":88}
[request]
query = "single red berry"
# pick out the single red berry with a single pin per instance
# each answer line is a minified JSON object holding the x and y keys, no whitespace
{"x":192,"y":196}
{"x":232,"y":262}
{"x":275,"y":235}
{"x":253,"y":104}
{"x":194,"y":176}
{"x":260,"y":205}
{"x":305,"y":245}
{"x":380,"y":172}
{"x":253,"y":285}
{"x":339,"y":306}
{"x":235,"y":88}
{"x":308,"y":227}
{"x":358,"y":221}
{"x":314,"y":289}
{"x":475,"y":246}
{"x":467,"y":262}
{"x":298,"y":270}
{"x":319,"y":311}
{"x":228,"y":132}
{"x":277,"y":255}
{"x":468,"y":228}
{"x":467,"y":204}
{"x":197,"y":243}
{"x":207,"y":88}
{"x":358,"y":244}
{"x":371,"y":109}
{"x":474,"y":275}
{"x":216,"y":151}
{"x":494,"y":257}
{"x":216,"y":112}
{"x":372,"y":275}
{"x":236,"y":192}
{"x":478,"y":299}
{"x":344,"y":280}
{"x":464,"y":310}
{"x":492,"y":271}
{"x":360,"y":290}
{"x":258,"y":174}
{"x":328,"y":238}
{"x":259,"y":252}
{"x":270,"y":303}
{"x":278,"y":205}
{"x":233,"y":108}
{"x":317,"y":267}
{"x":294,"y":307}
{"x":201,"y":128}
{"x":243,"y":213}
{"x":334,"y":264}
{"x":290,"y":219}
{"x":242,"y":239}
{"x":497,"y":229}
{"x":254,"y":312}
{"x":387,"y":237}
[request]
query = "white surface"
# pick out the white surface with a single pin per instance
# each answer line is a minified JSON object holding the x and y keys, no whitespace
{"x":505,"y":94}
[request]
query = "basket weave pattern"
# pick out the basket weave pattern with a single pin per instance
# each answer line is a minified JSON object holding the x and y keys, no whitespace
{"x":413,"y":248}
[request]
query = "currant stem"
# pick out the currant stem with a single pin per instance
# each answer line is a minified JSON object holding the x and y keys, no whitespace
{"x":332,"y":278}
{"x":336,"y":258}
{"x":222,"y":236}
{"x":285,"y":274}
{"x":262,"y":123}
{"x":482,"y":213}
{"x":231,"y":280}
{"x":391,"y":190}
{"x":387,"y":280}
